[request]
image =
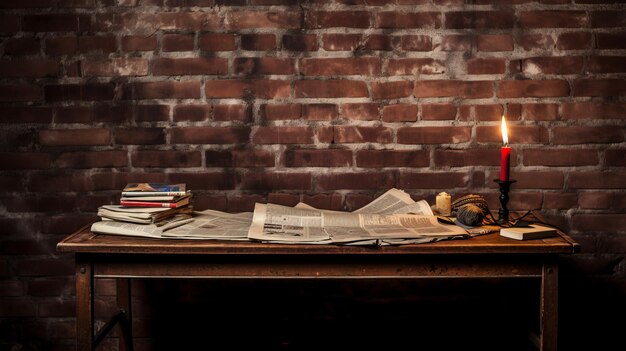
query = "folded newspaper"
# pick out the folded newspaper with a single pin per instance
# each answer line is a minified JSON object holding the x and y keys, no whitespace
{"x":391,"y":219}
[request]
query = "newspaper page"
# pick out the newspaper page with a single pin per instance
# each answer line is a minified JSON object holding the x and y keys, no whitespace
{"x":133,"y":229}
{"x":215,"y":225}
{"x":286,"y":224}
{"x":396,"y":201}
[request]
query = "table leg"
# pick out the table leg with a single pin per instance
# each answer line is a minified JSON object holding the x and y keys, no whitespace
{"x":126,"y":323}
{"x":549,"y":307}
{"x":84,"y":306}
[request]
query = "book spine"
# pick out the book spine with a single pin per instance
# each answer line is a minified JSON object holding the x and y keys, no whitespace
{"x":153,"y":193}
{"x":148,"y":204}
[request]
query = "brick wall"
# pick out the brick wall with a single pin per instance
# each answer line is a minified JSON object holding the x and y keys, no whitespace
{"x":326,"y":102}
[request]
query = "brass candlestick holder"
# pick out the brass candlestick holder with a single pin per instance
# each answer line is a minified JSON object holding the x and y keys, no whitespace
{"x":503,"y":212}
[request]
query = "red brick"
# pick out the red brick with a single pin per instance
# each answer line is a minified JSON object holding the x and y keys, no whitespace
{"x":270,"y":181}
{"x":424,"y":180}
{"x":209,"y":135}
{"x":416,"y":43}
{"x":56,"y":23}
{"x":283,"y":135}
{"x":596,"y":180}
{"x":117,"y":180}
{"x":600,"y":87}
{"x":470,"y":157}
{"x":456,"y":42}
{"x":177,"y":42}
{"x":437,"y":112}
{"x":355,"y":134}
{"x":258,"y":42}
{"x":486,"y":66}
{"x":594,"y":110}
{"x":166,"y":158}
{"x":517,"y":134}
{"x":574,"y":41}
{"x":552,"y":65}
{"x":231,"y":112}
{"x":97,"y":44}
{"x":319,"y":112}
{"x":115,"y":67}
{"x":236,"y":20}
{"x":611,"y":40}
{"x":539,"y":180}
{"x":253,"y":158}
{"x":57,"y":308}
{"x":400,"y":113}
{"x":318,"y":158}
{"x":615,"y":157}
{"x":480,"y":19}
{"x":80,"y":92}
{"x":11,"y":183}
{"x":165,"y":90}
{"x":559,"y":201}
{"x":61,"y":45}
{"x":490,"y":112}
{"x":558,"y":157}
{"x":263,"y":65}
{"x":20,"y":92}
{"x":45,"y":288}
{"x":260,"y":88}
{"x":52,"y":183}
{"x":11,"y":288}
{"x":58,"y":137}
{"x":21,"y":46}
{"x":413,"y":66}
{"x":341,"y":42}
{"x":25,"y":114}
{"x":606,"y":64}
{"x":392,"y":158}
{"x":139,"y":43}
{"x":244,"y":203}
{"x":217,"y":42}
{"x":281,"y":112}
{"x":607,"y":19}
{"x":525,"y":201}
{"x":388,"y":19}
{"x":204,"y":181}
{"x":218,"y":158}
{"x":360,"y":111}
{"x":203,"y":202}
{"x":190,"y":66}
{"x":540,"y":112}
{"x":18,"y":308}
{"x":392,"y":90}
{"x":330,"y":88}
{"x":29,"y":68}
{"x":531,"y":42}
{"x":337,"y":181}
{"x":45,"y":267}
{"x":340,"y":66}
{"x":24,"y":160}
{"x":283,"y":199}
{"x":152,"y":113}
{"x":94,"y":113}
{"x":324,"y":201}
{"x":300,"y":42}
{"x":66,"y":223}
{"x":378,"y":42}
{"x":433,"y":135}
{"x":454,"y":88}
{"x":9,"y":23}
{"x":587,"y":135}
{"x":495,"y":42}
{"x":332,"y":19}
{"x":553,"y":19}
{"x":92,"y":159}
{"x":609,"y":223}
{"x":356,"y":201}
{"x":188,"y":21}
{"x":191,"y":112}
{"x":595,"y":200}
{"x":532,"y":88}
{"x":139,"y":136}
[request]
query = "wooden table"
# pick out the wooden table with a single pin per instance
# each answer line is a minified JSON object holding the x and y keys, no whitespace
{"x":123,"y":258}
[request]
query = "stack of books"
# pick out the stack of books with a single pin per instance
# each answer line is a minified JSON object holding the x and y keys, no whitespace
{"x":150,"y":203}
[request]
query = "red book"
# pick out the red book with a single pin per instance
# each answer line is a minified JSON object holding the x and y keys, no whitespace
{"x":180,"y":203}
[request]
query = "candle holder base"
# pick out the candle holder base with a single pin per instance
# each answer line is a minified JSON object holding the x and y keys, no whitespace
{"x":503,"y":212}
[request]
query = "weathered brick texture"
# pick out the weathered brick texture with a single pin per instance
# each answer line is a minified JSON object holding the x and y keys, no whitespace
{"x":325,"y":102}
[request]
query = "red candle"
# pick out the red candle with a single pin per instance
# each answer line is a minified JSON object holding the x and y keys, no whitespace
{"x":505,"y":153}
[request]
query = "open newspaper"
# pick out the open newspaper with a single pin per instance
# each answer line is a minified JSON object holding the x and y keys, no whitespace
{"x":393,"y":218}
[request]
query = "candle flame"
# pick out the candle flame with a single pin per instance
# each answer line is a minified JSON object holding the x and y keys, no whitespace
{"x":505,"y":135}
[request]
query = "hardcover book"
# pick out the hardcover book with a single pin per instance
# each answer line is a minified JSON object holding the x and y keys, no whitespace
{"x":154,"y":189}
{"x":533,"y":231}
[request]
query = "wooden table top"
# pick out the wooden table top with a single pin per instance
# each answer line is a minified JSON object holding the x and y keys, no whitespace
{"x":84,"y":241}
